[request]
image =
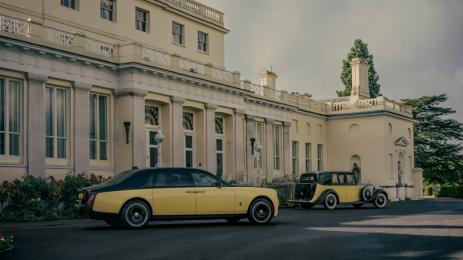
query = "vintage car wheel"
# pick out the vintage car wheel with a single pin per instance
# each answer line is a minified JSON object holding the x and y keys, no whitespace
{"x":357,"y":206}
{"x":367,"y":192}
{"x":135,"y":214}
{"x":331,"y":201}
{"x":260,"y":211}
{"x":380,"y":201}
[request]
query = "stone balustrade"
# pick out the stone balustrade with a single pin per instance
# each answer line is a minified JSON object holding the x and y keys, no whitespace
{"x":15,"y":26}
{"x":199,"y":9}
{"x":378,"y":103}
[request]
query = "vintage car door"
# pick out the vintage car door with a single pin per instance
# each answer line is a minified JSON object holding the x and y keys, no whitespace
{"x":212,"y":198}
{"x":352,"y":189}
{"x":173,"y":193}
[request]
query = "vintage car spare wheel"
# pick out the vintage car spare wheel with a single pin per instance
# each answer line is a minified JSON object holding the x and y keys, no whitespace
{"x":367,"y":192}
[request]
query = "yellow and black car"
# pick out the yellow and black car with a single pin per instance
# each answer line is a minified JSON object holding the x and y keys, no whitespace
{"x":333,"y":188}
{"x":133,"y":198}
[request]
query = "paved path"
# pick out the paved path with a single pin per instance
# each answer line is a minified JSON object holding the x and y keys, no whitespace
{"x":416,"y":229}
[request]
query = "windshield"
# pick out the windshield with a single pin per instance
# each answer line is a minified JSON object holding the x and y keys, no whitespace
{"x":119,"y":177}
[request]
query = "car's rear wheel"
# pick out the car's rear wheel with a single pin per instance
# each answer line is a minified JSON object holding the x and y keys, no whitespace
{"x":380,"y":201}
{"x":260,"y":211}
{"x":357,"y":206}
{"x":331,"y":201}
{"x":135,"y":214}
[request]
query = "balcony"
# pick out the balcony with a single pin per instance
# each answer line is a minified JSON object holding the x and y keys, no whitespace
{"x":196,"y":8}
{"x":361,"y":105}
{"x":112,"y":52}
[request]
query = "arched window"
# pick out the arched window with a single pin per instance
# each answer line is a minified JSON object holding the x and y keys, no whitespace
{"x":151,"y":115}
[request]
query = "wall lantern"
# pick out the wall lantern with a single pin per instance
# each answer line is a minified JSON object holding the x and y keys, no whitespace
{"x":253,"y":141}
{"x":127,"y":131}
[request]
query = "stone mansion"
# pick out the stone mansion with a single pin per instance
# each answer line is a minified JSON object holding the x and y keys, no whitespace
{"x":103,"y":86}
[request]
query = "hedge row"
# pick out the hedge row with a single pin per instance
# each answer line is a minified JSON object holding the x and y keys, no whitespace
{"x":36,"y":199}
{"x":444,"y":190}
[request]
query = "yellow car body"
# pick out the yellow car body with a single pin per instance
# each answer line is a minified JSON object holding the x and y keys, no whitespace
{"x":168,"y":196}
{"x":333,"y":188}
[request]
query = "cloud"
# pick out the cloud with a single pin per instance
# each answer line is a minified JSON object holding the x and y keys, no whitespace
{"x":417,"y":44}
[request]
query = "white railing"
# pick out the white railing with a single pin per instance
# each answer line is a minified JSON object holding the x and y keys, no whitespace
{"x":262,"y":91}
{"x":200,"y":9}
{"x":15,"y":26}
{"x":58,"y":37}
{"x":102,"y":48}
{"x":372,"y":103}
{"x":191,"y":66}
{"x":222,"y":75}
{"x":156,"y":56}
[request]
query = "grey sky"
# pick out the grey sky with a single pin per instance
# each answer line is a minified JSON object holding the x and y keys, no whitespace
{"x":417,"y":45}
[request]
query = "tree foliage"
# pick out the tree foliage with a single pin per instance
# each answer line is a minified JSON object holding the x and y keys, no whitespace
{"x":437,"y":147}
{"x":359,"y":50}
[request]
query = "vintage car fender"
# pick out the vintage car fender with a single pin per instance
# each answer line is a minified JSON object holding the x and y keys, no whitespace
{"x":322,"y":196}
{"x":376,"y":190}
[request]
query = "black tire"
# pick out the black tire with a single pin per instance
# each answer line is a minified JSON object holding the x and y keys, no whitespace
{"x":357,"y":206}
{"x":114,"y":222}
{"x":366,"y":193}
{"x":260,"y":211}
{"x":233,"y":219}
{"x":331,"y":201}
{"x":135,"y":214}
{"x":380,"y":201}
{"x":307,"y":206}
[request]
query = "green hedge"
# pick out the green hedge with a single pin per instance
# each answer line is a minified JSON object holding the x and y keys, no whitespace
{"x":36,"y":199}
{"x":444,"y":190}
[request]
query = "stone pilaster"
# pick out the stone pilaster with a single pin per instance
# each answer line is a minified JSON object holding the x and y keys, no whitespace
{"x":36,"y":125}
{"x":240,"y":147}
{"x":130,"y":107}
{"x":211,"y":156}
{"x":81,"y":128}
{"x":286,"y":148}
{"x":177,"y":156}
{"x":269,"y":145}
{"x":250,"y":156}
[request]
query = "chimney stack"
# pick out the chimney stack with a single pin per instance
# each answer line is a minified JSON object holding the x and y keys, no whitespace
{"x":360,"y":89}
{"x":268,"y":78}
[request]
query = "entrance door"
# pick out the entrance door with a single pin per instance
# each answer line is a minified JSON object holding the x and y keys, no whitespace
{"x":152,"y":149}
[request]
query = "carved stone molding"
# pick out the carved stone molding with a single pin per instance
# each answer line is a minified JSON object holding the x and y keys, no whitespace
{"x":176,"y":99}
{"x":135,"y":92}
{"x":37,"y":79}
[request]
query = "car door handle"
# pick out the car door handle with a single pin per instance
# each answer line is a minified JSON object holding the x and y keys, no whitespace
{"x":190,"y":191}
{"x":201,"y":191}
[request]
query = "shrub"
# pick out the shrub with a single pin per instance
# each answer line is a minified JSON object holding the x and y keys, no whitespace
{"x":36,"y":199}
{"x":6,"y":243}
{"x":428,"y":190}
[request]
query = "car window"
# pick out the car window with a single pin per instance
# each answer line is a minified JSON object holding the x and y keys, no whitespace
{"x":336,"y":179}
{"x":308,"y":178}
{"x":173,"y":179}
{"x":138,"y":180}
{"x":350,"y":180}
{"x":326,"y":179}
{"x":203,"y":179}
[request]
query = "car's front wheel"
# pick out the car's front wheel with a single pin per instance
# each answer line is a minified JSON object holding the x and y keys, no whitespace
{"x":380,"y":201}
{"x":135,"y":214}
{"x":331,"y":201}
{"x":260,"y":211}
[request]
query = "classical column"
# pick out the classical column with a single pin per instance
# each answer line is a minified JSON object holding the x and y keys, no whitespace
{"x":130,"y":108}
{"x":36,"y":125}
{"x":81,"y":128}
{"x":177,"y":156}
{"x":250,"y":156}
{"x":211,"y":156}
{"x":286,"y":148}
{"x":240,"y":148}
{"x":269,"y":145}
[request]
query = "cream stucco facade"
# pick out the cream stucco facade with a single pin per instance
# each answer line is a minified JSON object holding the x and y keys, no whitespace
{"x":89,"y":86}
